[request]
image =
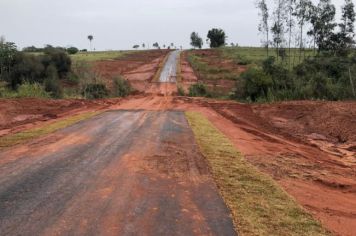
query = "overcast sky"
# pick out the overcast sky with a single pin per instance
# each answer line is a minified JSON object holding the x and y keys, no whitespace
{"x":118,"y":24}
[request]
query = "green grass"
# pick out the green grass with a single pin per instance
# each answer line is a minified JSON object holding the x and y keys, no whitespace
{"x":255,"y":55}
{"x":98,"y":56}
{"x":26,"y":90}
{"x":259,"y":206}
{"x":21,"y":137}
{"x":208,"y":72}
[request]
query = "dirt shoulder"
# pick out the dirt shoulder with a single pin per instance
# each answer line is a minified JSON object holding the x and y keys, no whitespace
{"x":321,"y":181}
{"x":21,"y":114}
{"x":138,"y":68}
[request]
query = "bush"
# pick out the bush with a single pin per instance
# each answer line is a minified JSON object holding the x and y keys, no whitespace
{"x":198,"y":90}
{"x":59,"y":58}
{"x":95,"y":91}
{"x":53,"y":87}
{"x":34,"y":90}
{"x":256,"y":83}
{"x":25,"y":68}
{"x":181,"y":91}
{"x":243,"y":60}
{"x":122,"y":87}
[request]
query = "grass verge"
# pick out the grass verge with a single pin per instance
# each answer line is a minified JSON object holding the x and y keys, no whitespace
{"x":99,"y":56}
{"x":258,"y":205}
{"x":21,"y":137}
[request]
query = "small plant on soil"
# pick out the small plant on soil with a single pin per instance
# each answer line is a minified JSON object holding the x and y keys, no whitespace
{"x":122,"y":87}
{"x":198,"y":90}
{"x":95,"y":91}
{"x":181,"y":91}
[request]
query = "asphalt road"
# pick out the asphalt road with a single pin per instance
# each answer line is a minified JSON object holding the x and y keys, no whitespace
{"x":120,"y":173}
{"x":169,"y":71}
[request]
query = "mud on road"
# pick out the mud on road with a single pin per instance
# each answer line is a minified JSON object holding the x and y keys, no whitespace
{"x":120,"y":173}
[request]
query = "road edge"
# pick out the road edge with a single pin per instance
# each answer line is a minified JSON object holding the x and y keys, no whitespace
{"x":259,"y":206}
{"x":30,"y":134}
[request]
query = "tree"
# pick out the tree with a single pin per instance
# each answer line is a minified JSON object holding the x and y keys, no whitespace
{"x":136,"y":46}
{"x":216,"y":37}
{"x":91,"y":38}
{"x":156,"y":45}
{"x":195,"y":40}
{"x":278,"y":25}
{"x":8,"y":52}
{"x":263,"y":27}
{"x":302,"y":12}
{"x":143,"y":45}
{"x":72,"y":50}
{"x":290,"y":26}
{"x":347,"y":25}
{"x":322,"y":20}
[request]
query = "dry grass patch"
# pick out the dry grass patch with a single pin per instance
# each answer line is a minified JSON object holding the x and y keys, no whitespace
{"x":259,"y":206}
{"x":21,"y":137}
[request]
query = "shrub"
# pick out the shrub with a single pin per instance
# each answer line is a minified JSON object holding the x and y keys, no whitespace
{"x":257,"y":83}
{"x":181,"y":91}
{"x":59,"y":58}
{"x":34,"y":90}
{"x":243,"y":60}
{"x":53,"y":87}
{"x":198,"y":90}
{"x":122,"y":87}
{"x":95,"y":91}
{"x":25,"y":68}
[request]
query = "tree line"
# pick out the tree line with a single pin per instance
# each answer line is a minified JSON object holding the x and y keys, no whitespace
{"x":294,"y":23}
{"x":327,"y":74}
{"x":215,"y":38}
{"x":45,"y":74}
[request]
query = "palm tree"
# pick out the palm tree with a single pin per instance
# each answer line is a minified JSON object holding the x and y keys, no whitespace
{"x":90,"y":37}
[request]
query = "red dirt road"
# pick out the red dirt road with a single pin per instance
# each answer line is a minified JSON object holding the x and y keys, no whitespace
{"x":120,"y":173}
{"x":307,"y":147}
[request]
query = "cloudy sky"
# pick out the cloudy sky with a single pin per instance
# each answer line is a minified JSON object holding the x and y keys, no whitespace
{"x":118,"y":24}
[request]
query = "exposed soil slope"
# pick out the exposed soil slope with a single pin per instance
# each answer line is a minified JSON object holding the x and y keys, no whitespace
{"x":20,"y":114}
{"x":139,"y":68}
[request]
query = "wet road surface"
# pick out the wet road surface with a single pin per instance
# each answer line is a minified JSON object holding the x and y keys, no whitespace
{"x":169,"y":71}
{"x":120,"y":173}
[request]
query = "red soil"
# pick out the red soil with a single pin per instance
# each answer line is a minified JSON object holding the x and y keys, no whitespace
{"x":21,"y":114}
{"x":321,"y":181}
{"x":138,"y":68}
{"x":307,"y":147}
{"x":212,"y":58}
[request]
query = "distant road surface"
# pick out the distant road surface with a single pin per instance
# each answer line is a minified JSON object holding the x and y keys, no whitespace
{"x":119,"y":173}
{"x":169,"y":71}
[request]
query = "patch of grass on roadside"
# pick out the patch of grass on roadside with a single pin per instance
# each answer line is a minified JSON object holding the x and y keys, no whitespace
{"x":21,"y":137}
{"x":259,"y":206}
{"x":99,"y":56}
{"x":209,"y":72}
